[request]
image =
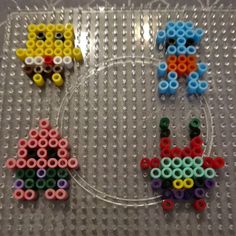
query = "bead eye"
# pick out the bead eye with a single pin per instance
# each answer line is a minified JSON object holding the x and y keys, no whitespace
{"x":41,"y":36}
{"x":59,"y":36}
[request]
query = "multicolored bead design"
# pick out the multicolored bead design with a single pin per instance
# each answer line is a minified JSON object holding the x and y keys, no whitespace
{"x":182,"y":174}
{"x":49,"y":51}
{"x":41,"y":164}
{"x":180,"y":40}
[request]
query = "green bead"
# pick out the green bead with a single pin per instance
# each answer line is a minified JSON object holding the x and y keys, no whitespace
{"x":194,"y":123}
{"x":166,"y":162}
{"x":194,"y":133}
{"x":165,"y":133}
{"x":176,"y":162}
{"x":62,"y":174}
{"x":51,"y":183}
{"x":51,"y":173}
{"x":198,"y":172}
{"x":20,"y":174}
{"x":166,"y":173}
{"x":30,"y":174}
{"x":187,"y":162}
{"x":40,"y":184}
{"x":187,"y":172}
{"x":210,"y":173}
{"x":29,"y":183}
{"x":197,"y":161}
{"x":177,"y":173}
{"x":164,"y":123}
{"x":155,"y":173}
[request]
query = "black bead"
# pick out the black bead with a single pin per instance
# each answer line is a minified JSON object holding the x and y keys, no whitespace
{"x":41,"y":36}
{"x":195,"y":132}
{"x":165,"y":133}
{"x":189,"y":42}
{"x":199,"y":183}
{"x":166,"y":184}
{"x":52,"y":152}
{"x":169,"y":42}
{"x":59,"y":36}
{"x":32,"y":153}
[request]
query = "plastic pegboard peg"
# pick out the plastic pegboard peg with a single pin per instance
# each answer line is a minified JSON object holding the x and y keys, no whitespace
{"x":198,"y":35}
{"x":202,"y":87}
{"x":160,"y":38}
{"x":161,"y":69}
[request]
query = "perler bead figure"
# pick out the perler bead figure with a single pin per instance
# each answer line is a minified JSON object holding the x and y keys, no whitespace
{"x":182,"y":174}
{"x":41,"y":164}
{"x":49,"y":51}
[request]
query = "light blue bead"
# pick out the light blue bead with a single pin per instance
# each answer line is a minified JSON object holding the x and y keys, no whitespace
{"x":179,"y":25}
{"x":171,"y":50}
{"x":172,"y":75}
{"x":188,"y":25}
{"x":163,"y":87}
{"x":202,"y":87}
{"x":181,"y":41}
{"x":161,"y":37}
{"x":161,"y":69}
{"x":192,"y":87}
{"x":189,"y":34}
{"x":191,"y":50}
{"x":170,"y":24}
{"x":192,"y":76}
{"x":198,"y":34}
{"x":201,"y":69}
{"x":180,"y":33}
{"x":171,"y":33}
{"x":181,"y":50}
{"x":173,"y":86}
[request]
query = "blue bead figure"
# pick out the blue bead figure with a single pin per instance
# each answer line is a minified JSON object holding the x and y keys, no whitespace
{"x":171,"y":50}
{"x":161,"y":69}
{"x":202,"y":69}
{"x":181,"y":50}
{"x":173,"y":86}
{"x":181,"y":41}
{"x":192,"y":87}
{"x":161,"y":37}
{"x":202,"y":87}
{"x":163,"y":87}
{"x":192,"y":76}
{"x":191,"y":50}
{"x":172,"y":75}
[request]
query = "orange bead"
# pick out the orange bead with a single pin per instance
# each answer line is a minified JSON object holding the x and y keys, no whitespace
{"x":191,"y":67}
{"x":171,"y":67}
{"x":171,"y":59}
{"x":191,"y":59}
{"x":182,"y":59}
{"x":181,"y":69}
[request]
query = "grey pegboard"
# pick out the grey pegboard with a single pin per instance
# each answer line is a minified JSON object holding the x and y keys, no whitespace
{"x":110,"y":111}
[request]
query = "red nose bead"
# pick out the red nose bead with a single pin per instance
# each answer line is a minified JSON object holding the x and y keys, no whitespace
{"x":167,"y":205}
{"x":199,"y":205}
{"x":176,"y":152}
{"x":218,"y":163}
{"x":165,"y":143}
{"x":207,"y":162}
{"x":145,"y":163}
{"x":48,"y":60}
{"x":165,"y":152}
{"x":196,"y":142}
{"x":186,"y":152}
{"x":155,"y":162}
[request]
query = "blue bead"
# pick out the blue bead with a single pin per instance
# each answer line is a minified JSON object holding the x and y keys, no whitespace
{"x":163,"y":87}
{"x":202,"y":87}
{"x":173,"y":86}
{"x":172,"y":75}
{"x":171,"y":33}
{"x":171,"y":50}
{"x":198,"y":34}
{"x":179,"y":25}
{"x":192,"y":86}
{"x":191,"y":50}
{"x":161,"y":69}
{"x":181,"y":41}
{"x":180,"y":33}
{"x":189,"y":34}
{"x":170,"y":24}
{"x":202,"y":69}
{"x":192,"y":76}
{"x":188,"y":25}
{"x":181,"y":50}
{"x":161,"y":37}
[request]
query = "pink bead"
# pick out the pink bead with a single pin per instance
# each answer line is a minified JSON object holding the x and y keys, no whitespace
{"x":73,"y":163}
{"x":22,"y":153}
{"x":31,"y":163}
{"x":19,"y":194}
{"x":50,"y":194}
{"x":43,"y":143}
{"x":11,"y":163}
{"x":22,"y":143}
{"x":61,"y":194}
{"x":53,"y":133}
{"x":43,"y":133}
{"x":42,"y":153}
{"x":44,"y":124}
{"x":21,"y":163}
{"x":32,"y":143}
{"x":42,"y":163}
{"x":52,"y":163}
{"x":62,"y":163}
{"x":63,"y":143}
{"x":34,"y":133}
{"x":63,"y":153}
{"x":53,"y":143}
{"x":30,"y":195}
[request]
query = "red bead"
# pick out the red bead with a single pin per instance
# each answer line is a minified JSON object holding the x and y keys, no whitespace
{"x":176,"y":152}
{"x":196,"y":142}
{"x":207,"y":162}
{"x":145,"y":163}
{"x":165,"y":152}
{"x":165,"y":143}
{"x":186,"y":152}
{"x":155,"y":162}
{"x":167,"y":205}
{"x":196,"y":152}
{"x":218,"y":163}
{"x":199,"y":205}
{"x":48,"y":60}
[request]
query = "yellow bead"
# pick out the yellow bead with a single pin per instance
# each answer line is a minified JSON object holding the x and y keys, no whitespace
{"x":38,"y":80}
{"x":58,"y":44}
{"x":188,"y":183}
{"x":68,"y":43}
{"x":41,"y":27}
{"x":57,"y":79}
{"x":51,"y":27}
{"x":48,"y":43}
{"x":69,"y":27}
{"x":21,"y":53}
{"x":58,"y":52}
{"x":67,"y":52}
{"x":40,"y":44}
{"x":30,"y":52}
{"x":77,"y":54}
{"x":49,"y":35}
{"x":39,"y":52}
{"x":49,"y":52}
{"x":30,"y":44}
{"x":31,"y":36}
{"x":60,"y":28}
{"x":32,"y":28}
{"x":68,"y":35}
{"x":178,"y":184}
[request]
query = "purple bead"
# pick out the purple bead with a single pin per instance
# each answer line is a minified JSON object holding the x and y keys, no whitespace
{"x":156,"y":184}
{"x":41,"y":173}
{"x":199,"y":193}
{"x":188,"y":194}
{"x":209,"y":183}
{"x":178,"y":194}
{"x":19,"y":183}
{"x":166,"y":194}
{"x":62,"y":183}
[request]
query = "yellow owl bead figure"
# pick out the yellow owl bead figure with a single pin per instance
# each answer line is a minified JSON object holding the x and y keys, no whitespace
{"x":77,"y":54}
{"x":38,"y":80}
{"x":57,"y":79}
{"x":21,"y":54}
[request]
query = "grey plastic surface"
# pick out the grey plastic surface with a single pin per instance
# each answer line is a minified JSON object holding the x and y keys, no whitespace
{"x":110,"y":111}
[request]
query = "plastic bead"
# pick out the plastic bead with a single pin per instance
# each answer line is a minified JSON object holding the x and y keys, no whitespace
{"x":29,"y":184}
{"x":209,"y":173}
{"x":31,"y":163}
{"x":163,"y":87}
{"x":29,"y":61}
{"x":165,"y":133}
{"x":155,"y":173}
{"x":199,"y":205}
{"x":43,"y":134}
{"x":177,"y":173}
{"x":156,"y":184}
{"x":42,"y":163}
{"x":51,"y":173}
{"x":166,"y":193}
{"x":170,"y":24}
{"x":30,"y":195}
{"x":161,"y":37}
{"x":32,"y":28}
{"x":171,"y":50}
{"x":165,"y":143}
{"x":62,"y":153}
{"x":21,"y":163}
{"x":50,"y":194}
{"x":20,"y":174}
{"x":61,"y":194}
{"x":59,"y":36}
{"x":68,"y":62}
{"x":218,"y":163}
{"x":57,"y":60}
{"x":207,"y":162}
{"x":188,"y":183}
{"x":52,"y":163}
{"x":192,"y":76}
{"x":161,"y":69}
{"x":172,"y":75}
{"x":209,"y":183}
{"x":196,"y":151}
{"x":53,"y":143}
{"x":202,"y":69}
{"x":145,"y":163}
{"x":77,"y":54}
{"x":62,"y":183}
{"x":62,"y":174}
{"x":166,"y":184}
{"x":19,"y":194}
{"x":186,"y":152}
{"x":188,"y":194}
{"x":191,"y":68}
{"x":30,"y":44}
{"x":199,"y":193}
{"x":11,"y":163}
{"x":197,"y":161}
{"x":165,"y":152}
{"x":198,"y":172}
{"x":59,"y":28}
{"x":166,"y":162}
{"x":173,"y":86}
{"x":166,"y":173}
{"x":192,"y":87}
{"x":181,"y":50}
{"x":30,"y":173}
{"x":73,"y":163}
{"x":178,"y":194}
{"x":171,"y":67}
{"x":194,"y":133}
{"x":51,"y":183}
{"x":43,"y":143}
{"x":57,"y":79}
{"x":181,"y":41}
{"x":164,"y":123}
{"x":187,"y":172}
{"x":32,"y":143}
{"x":171,"y":33}
{"x":180,"y":33}
{"x":176,"y":162}
{"x":63,"y":163}
{"x":187,"y":162}
{"x":21,"y":54}
{"x":155,"y":162}
{"x":202,"y":87}
{"x":178,"y":184}
{"x":176,"y":152}
{"x":49,"y":43}
{"x":38,"y":80}
{"x":198,"y":35}
{"x":41,"y":173}
{"x":19,"y":184}
{"x":191,"y":50}
{"x":40,"y":184}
